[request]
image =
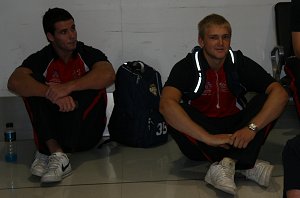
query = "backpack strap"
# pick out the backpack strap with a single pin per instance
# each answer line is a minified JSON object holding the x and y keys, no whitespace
{"x":199,"y":69}
{"x":198,"y":64}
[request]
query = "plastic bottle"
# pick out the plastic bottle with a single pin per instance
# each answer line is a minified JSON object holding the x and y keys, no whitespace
{"x":10,"y":143}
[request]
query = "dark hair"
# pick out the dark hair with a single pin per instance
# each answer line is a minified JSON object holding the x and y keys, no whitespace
{"x":54,"y":15}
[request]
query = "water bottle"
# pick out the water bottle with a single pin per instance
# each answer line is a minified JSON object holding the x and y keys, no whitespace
{"x":10,"y":143}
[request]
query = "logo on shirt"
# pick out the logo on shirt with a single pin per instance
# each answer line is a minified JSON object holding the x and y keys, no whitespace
{"x":54,"y":77}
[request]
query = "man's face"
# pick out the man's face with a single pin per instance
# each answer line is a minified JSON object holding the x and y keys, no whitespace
{"x":216,"y":42}
{"x":64,"y":37}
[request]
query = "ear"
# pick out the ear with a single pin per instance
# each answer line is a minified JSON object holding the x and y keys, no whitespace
{"x":200,"y":42}
{"x":50,"y":37}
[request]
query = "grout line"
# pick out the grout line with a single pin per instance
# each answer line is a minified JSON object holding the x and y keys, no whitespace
{"x":100,"y":183}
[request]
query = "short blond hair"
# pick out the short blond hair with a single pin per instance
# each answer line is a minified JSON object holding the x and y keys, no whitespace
{"x":212,"y":19}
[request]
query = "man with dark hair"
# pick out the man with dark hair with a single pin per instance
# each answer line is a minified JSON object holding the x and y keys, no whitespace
{"x":64,"y":89}
{"x":204,"y":103}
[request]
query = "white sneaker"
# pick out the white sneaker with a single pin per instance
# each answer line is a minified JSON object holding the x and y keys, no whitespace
{"x":221,"y":175}
{"x":58,"y":167}
{"x":39,"y":165}
{"x":261,"y":173}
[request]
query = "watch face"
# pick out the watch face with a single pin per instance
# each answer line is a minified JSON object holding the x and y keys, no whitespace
{"x":252,"y":127}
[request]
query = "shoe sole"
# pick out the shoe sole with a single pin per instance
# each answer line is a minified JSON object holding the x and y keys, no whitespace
{"x":37,"y":173}
{"x":53,"y":179}
{"x":223,"y":188}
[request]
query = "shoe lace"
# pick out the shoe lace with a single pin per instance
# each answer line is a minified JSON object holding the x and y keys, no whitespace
{"x":224,"y":173}
{"x":256,"y":171}
{"x":41,"y":159}
{"x":54,"y":162}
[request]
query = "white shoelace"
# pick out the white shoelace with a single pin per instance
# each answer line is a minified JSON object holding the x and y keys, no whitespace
{"x":41,"y":159}
{"x":54,"y":162}
{"x":225,"y":173}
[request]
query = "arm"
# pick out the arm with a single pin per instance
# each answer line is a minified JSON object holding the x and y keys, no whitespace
{"x":22,"y":83}
{"x":175,"y":115}
{"x":273,"y":107}
{"x":295,"y":26}
{"x":296,"y":43}
{"x":101,"y":76}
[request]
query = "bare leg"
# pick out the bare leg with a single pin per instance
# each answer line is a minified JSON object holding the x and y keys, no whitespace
{"x":53,"y":146}
{"x":293,"y":193}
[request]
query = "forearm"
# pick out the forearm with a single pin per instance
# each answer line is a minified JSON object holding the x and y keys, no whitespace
{"x":296,"y":43}
{"x":101,"y":76}
{"x":175,"y":115}
{"x":24,"y":85}
{"x":273,"y":107}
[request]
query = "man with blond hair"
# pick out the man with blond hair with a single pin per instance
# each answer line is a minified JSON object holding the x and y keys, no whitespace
{"x":204,"y":103}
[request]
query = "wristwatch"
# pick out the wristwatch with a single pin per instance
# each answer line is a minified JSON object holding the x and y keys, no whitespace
{"x":253,"y":127}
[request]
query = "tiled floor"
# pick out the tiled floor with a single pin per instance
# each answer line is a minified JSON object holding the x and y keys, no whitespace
{"x":116,"y":171}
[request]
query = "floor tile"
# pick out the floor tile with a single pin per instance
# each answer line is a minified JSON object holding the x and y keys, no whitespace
{"x":116,"y":171}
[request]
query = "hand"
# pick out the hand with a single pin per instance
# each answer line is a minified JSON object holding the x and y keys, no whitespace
{"x":242,"y":137}
{"x":220,"y":140}
{"x":56,"y":91}
{"x":66,"y":104}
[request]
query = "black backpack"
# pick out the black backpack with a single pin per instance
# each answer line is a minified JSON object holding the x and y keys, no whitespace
{"x":135,"y":120}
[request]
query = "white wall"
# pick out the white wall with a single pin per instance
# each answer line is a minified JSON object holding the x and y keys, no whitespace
{"x":158,"y":32}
